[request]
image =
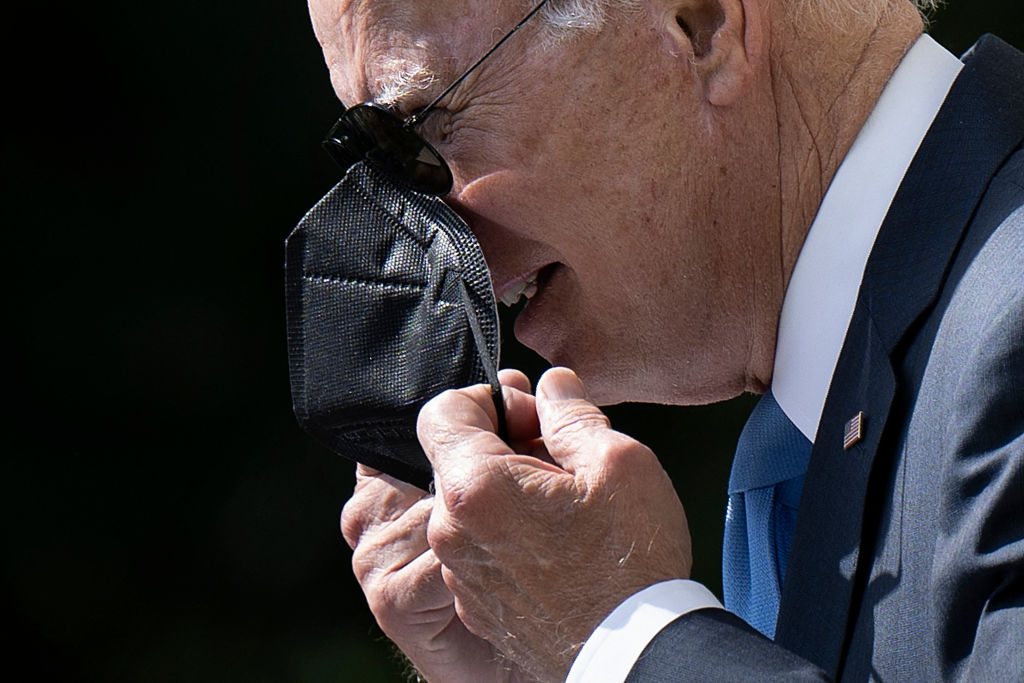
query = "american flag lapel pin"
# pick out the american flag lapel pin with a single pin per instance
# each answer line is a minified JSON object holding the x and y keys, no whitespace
{"x":853,"y":431}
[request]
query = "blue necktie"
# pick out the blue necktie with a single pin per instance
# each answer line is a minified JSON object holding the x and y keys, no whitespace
{"x":764,"y":493}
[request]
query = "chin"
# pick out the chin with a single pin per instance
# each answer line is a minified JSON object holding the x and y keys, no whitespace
{"x":601,"y":394}
{"x":609,"y":385}
{"x":606,"y":388}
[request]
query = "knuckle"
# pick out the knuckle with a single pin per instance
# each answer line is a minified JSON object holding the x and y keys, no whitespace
{"x":431,"y":408}
{"x":615,"y":452}
{"x":386,"y":598}
{"x":421,"y":584}
{"x":442,"y":536}
{"x":463,"y":498}
{"x":364,"y":566}
{"x":353,"y":522}
{"x":470,"y":496}
{"x":436,"y":412}
{"x":450,"y":541}
{"x":622,"y":456}
{"x":379,"y":600}
{"x":474,"y":515}
{"x":375,"y":506}
{"x":578,"y":418}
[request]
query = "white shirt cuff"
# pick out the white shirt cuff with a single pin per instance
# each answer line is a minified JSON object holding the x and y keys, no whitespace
{"x":613,"y":648}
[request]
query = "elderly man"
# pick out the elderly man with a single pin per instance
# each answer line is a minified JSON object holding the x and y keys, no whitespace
{"x":701,"y":198}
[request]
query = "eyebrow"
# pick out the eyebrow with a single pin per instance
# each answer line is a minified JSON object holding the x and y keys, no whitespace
{"x":402,"y":78}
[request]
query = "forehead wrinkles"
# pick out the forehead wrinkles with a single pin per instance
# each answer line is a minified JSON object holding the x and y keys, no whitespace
{"x":366,"y":50}
{"x":390,"y":49}
{"x":402,"y":56}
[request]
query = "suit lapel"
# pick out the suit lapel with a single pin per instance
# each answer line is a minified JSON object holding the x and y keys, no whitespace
{"x":975,"y":131}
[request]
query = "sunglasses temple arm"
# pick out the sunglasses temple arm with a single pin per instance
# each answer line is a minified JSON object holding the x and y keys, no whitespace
{"x":418,"y":117}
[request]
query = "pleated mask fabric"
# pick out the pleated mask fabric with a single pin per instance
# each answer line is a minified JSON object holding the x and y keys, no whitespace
{"x":389,"y":302}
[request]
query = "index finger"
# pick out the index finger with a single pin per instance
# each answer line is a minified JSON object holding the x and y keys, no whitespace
{"x":457,"y":429}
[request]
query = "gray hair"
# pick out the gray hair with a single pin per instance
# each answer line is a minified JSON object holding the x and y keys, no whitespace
{"x":564,"y":17}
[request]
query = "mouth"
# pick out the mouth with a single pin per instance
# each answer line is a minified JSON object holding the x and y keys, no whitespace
{"x":525,"y":286}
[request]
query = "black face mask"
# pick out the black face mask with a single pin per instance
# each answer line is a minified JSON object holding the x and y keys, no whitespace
{"x":389,"y":302}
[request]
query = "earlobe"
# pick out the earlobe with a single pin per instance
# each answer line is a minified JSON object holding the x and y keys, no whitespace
{"x":721,"y":39}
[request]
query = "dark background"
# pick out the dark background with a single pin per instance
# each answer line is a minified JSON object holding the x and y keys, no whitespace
{"x":163,"y":518}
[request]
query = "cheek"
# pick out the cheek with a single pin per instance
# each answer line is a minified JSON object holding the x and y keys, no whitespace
{"x":618,"y":242}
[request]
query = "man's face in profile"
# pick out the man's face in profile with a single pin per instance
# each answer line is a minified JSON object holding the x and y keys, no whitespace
{"x":583,"y":168}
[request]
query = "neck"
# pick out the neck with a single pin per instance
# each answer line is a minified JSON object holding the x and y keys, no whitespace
{"x":823,"y":89}
{"x":823,"y":95}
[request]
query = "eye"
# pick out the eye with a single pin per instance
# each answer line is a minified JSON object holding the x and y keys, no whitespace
{"x":437,"y":127}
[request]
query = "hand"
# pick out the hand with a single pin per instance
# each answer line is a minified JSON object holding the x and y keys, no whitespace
{"x":540,"y":540}
{"x":385,"y":523}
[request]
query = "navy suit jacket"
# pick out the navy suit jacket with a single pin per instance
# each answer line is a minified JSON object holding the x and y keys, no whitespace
{"x":908,"y":557}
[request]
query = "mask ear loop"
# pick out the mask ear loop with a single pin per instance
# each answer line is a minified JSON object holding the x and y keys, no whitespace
{"x":485,"y":360}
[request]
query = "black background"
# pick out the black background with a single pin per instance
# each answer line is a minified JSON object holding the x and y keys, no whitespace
{"x":163,"y":518}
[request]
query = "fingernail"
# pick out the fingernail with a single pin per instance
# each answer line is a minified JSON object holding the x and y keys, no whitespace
{"x":562,"y":385}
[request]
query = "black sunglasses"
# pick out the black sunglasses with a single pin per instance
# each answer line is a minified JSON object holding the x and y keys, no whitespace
{"x":377,"y":135}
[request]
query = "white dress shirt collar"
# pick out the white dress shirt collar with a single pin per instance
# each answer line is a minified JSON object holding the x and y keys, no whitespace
{"x":821,"y":295}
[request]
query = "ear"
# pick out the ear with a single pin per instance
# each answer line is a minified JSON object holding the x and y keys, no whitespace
{"x":722,"y":41}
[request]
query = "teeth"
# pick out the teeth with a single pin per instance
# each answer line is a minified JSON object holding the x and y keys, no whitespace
{"x":527,"y":288}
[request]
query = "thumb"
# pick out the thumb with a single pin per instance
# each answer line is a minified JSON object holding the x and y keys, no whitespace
{"x":573,"y":428}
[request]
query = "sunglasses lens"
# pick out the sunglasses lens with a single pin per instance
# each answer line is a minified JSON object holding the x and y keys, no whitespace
{"x":371,"y":132}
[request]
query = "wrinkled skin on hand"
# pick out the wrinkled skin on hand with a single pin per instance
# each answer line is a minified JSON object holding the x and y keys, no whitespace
{"x":385,"y":523}
{"x":527,"y":546}
{"x":538,"y":540}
